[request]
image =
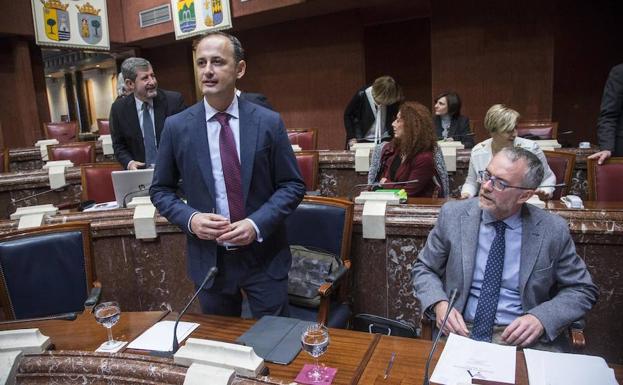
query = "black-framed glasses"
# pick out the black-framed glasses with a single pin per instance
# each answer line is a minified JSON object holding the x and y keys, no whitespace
{"x":485,"y":176}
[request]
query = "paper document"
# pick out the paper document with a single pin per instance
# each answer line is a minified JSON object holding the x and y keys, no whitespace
{"x":160,"y":336}
{"x":463,"y":359}
{"x":102,"y":206}
{"x":548,"y":368}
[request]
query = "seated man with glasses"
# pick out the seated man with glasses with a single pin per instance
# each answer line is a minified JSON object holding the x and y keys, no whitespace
{"x":519,"y":277}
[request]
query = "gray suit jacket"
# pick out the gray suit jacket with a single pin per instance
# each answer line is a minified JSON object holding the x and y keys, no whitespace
{"x":554,"y":284}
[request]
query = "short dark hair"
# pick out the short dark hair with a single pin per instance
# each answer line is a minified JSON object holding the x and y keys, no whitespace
{"x":454,"y":102}
{"x":534,"y":173}
{"x":129,"y":66}
{"x":238,"y":50}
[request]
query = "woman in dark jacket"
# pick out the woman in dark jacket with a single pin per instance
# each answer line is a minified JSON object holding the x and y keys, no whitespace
{"x":449,"y":123}
{"x":409,"y":156}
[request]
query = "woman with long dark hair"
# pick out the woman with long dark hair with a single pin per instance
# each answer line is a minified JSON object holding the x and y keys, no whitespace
{"x":410,"y":155}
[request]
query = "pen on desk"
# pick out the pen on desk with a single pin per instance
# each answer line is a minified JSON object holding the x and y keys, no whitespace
{"x":389,"y":366}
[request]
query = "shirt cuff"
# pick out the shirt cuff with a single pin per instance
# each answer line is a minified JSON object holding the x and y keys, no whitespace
{"x":257,"y":230}
{"x":190,"y":230}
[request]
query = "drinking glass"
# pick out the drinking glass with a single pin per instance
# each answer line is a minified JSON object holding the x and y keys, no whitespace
{"x":315,"y":341}
{"x":107,"y":314}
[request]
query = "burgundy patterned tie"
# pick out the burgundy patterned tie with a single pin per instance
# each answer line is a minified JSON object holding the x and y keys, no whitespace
{"x":231,"y":169}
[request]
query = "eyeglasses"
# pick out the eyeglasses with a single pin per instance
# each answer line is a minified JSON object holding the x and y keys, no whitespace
{"x":484,"y":176}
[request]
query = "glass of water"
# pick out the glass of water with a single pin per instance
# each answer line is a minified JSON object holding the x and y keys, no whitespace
{"x":107,"y":314}
{"x":315,"y":341}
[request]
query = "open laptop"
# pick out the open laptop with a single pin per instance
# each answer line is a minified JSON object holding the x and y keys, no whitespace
{"x":131,"y":183}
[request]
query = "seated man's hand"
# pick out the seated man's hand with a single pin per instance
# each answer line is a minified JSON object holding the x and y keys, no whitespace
{"x":455,"y":323}
{"x":240,"y":233}
{"x":209,"y":226}
{"x":523,"y":331}
{"x":601,"y":156}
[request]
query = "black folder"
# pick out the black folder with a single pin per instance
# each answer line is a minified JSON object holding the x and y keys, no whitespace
{"x":275,"y":339}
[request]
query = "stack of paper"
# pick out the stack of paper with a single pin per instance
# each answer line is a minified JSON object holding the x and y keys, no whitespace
{"x":547,"y":368}
{"x":159,"y":337}
{"x":464,"y":359}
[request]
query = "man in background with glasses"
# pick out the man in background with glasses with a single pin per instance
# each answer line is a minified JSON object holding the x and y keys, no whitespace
{"x":519,"y":277}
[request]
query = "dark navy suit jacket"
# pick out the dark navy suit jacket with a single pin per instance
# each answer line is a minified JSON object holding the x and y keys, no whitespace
{"x":271,"y":182}
{"x":125,"y":129}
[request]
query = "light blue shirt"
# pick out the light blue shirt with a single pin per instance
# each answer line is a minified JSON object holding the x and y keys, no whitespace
{"x":214,"y":130}
{"x":509,"y":303}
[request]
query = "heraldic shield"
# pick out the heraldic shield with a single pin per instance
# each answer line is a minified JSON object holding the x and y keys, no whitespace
{"x":89,"y":23}
{"x":186,"y":15}
{"x":56,"y":19}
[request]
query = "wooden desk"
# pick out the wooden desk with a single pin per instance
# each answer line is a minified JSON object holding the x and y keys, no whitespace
{"x":29,"y":158}
{"x":410,"y":360}
{"x":337,"y":172}
{"x":359,"y":357}
{"x":381,"y":270}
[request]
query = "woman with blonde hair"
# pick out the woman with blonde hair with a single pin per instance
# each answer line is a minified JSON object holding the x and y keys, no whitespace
{"x":411,"y":154}
{"x":501,"y":123}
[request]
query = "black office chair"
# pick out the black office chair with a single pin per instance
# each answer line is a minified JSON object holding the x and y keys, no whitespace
{"x":47,"y":271}
{"x":325,"y":225}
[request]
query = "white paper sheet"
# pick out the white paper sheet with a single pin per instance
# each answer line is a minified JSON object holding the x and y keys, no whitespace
{"x":463,"y":359}
{"x":160,"y":336}
{"x":549,"y":368}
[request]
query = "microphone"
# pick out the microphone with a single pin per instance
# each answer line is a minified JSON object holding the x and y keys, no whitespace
{"x":14,"y":201}
{"x":453,"y":295}
{"x":141,"y":190}
{"x":211,"y":273}
{"x":377,"y":185}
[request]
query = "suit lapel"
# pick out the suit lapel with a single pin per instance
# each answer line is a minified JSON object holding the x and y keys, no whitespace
{"x":470,"y":225}
{"x":132,"y":115}
{"x":531,"y":240}
{"x":201,"y":148}
{"x":249,"y":128}
{"x":160,"y":107}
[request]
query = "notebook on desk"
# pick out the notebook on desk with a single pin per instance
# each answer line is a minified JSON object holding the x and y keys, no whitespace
{"x":128,"y":184}
{"x":275,"y":339}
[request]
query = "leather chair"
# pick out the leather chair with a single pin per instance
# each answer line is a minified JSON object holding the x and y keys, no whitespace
{"x":97,"y":181}
{"x":78,"y":153}
{"x":538,"y":130}
{"x":4,"y":160}
{"x":103,"y":127}
{"x":605,"y":181}
{"x":306,"y":138}
{"x":321,"y":223}
{"x":64,"y":132}
{"x":47,"y":271}
{"x":308,"y":165}
{"x":562,"y":165}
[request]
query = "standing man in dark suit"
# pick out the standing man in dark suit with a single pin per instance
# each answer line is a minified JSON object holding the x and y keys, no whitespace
{"x":610,"y":123}
{"x":241,"y":181}
{"x":136,"y":122}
